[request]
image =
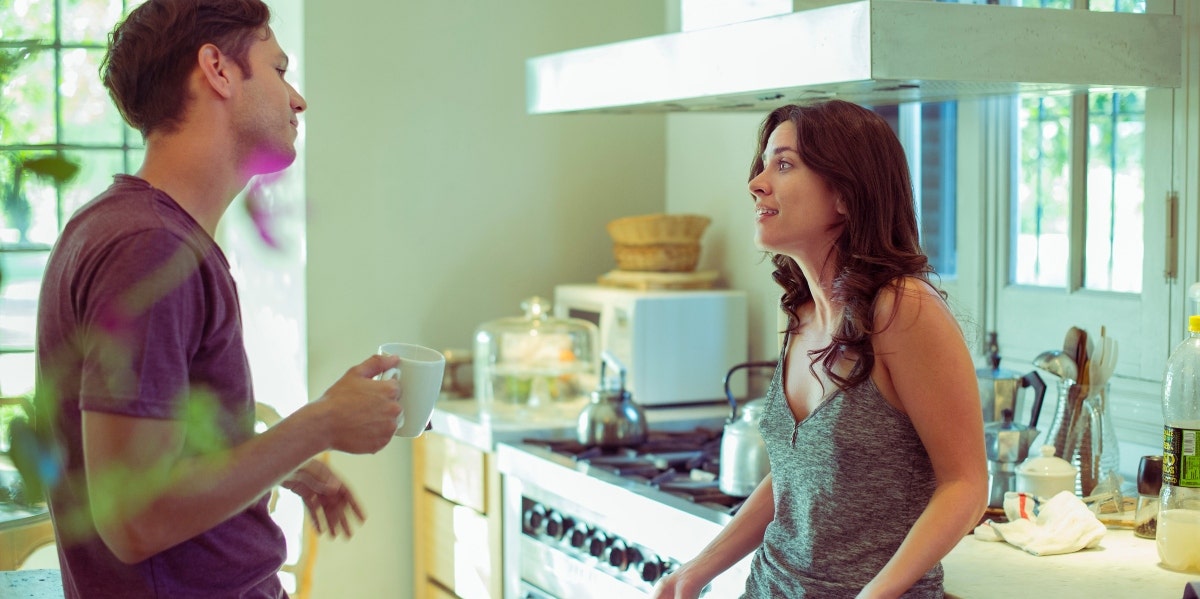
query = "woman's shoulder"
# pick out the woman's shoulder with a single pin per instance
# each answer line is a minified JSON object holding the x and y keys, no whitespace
{"x":906,"y":296}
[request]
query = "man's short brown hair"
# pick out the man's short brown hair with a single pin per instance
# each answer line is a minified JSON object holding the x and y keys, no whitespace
{"x":152,"y":51}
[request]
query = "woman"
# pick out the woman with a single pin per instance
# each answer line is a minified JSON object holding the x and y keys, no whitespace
{"x":872,"y":421}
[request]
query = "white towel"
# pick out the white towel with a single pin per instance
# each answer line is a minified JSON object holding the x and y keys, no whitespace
{"x":1061,"y":524}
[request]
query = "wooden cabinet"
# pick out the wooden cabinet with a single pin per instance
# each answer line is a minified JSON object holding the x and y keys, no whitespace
{"x":456,"y":520}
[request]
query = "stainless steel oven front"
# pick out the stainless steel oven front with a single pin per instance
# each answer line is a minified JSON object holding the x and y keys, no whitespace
{"x":573,"y":532}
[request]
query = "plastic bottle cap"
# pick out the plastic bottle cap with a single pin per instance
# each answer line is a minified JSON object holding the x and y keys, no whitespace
{"x":1194,"y":323}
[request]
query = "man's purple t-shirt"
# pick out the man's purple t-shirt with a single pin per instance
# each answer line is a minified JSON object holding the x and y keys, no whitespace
{"x":139,"y":316}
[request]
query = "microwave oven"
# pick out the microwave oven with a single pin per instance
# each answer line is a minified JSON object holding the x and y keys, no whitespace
{"x":676,"y":345}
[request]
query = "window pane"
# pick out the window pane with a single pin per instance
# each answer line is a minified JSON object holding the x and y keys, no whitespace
{"x":18,"y":300}
{"x":938,"y":185}
{"x":1138,"y":6}
{"x":133,"y":137}
{"x":28,"y":205}
{"x":27,"y":98}
{"x":88,"y":21}
{"x":930,"y":144}
{"x":1043,"y":3}
{"x":1116,"y":191}
{"x":27,"y":20}
{"x":1040,"y":215}
{"x":96,"y":169}
{"x":89,"y":116}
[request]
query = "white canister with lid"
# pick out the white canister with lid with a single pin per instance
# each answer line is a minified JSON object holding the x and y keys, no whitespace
{"x":1046,"y":475}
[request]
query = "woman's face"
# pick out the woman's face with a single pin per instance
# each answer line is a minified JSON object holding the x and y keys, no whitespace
{"x":796,"y":213}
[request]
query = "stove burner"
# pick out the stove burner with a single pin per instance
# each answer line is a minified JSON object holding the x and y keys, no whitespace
{"x":682,"y":463}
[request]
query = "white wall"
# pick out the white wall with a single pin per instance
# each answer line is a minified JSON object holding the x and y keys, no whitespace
{"x":708,"y":166}
{"x":436,"y":204}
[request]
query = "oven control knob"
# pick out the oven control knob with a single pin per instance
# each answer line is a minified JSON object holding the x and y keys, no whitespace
{"x":578,"y":535}
{"x":557,"y":525}
{"x":652,"y":569}
{"x":535,"y":518}
{"x":597,"y":544}
{"x":621,"y":556}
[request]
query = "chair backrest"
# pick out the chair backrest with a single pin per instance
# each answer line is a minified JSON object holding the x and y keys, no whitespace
{"x":302,"y":567}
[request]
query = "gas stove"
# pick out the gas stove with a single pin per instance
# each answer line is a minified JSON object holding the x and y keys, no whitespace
{"x":584,"y":523}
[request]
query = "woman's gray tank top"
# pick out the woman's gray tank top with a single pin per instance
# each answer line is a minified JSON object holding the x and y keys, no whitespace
{"x":849,"y":480}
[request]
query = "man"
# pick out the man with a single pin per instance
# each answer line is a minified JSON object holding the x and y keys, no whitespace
{"x":142,"y":372}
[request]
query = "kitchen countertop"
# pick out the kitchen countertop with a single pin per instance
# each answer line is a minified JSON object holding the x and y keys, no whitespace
{"x":1122,"y":566}
{"x":464,"y":420}
{"x":31,"y":584}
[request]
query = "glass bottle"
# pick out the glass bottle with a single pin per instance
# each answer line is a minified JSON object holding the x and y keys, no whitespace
{"x":1178,"y":531}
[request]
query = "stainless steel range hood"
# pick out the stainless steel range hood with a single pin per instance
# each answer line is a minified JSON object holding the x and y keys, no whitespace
{"x":870,"y":52}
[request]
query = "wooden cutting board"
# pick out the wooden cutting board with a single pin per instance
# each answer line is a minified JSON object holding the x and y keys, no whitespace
{"x":645,"y":281}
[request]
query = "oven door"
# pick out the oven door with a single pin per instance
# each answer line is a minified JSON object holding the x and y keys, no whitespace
{"x":528,"y":591}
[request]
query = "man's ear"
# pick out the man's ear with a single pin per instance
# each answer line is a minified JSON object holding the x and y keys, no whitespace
{"x":216,"y":69}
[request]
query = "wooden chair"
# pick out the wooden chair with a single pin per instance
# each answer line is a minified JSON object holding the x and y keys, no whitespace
{"x":302,"y":568}
{"x":21,"y":536}
{"x":23,"y":529}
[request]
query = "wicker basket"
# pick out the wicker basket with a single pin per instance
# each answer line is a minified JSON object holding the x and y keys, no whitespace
{"x":652,"y":229}
{"x":659,"y":257}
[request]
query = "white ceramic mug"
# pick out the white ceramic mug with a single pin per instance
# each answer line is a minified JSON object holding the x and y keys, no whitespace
{"x":420,"y":374}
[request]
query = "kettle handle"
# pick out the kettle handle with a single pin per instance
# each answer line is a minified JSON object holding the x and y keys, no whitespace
{"x":1031,"y":379}
{"x":729,"y":394}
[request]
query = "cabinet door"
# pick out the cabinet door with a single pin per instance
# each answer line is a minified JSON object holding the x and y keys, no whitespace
{"x":456,"y":471}
{"x":456,"y":520}
{"x":458,"y":542}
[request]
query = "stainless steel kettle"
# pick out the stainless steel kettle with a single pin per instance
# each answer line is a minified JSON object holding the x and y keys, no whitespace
{"x":744,"y":461}
{"x":611,"y":418}
{"x":1000,"y":390}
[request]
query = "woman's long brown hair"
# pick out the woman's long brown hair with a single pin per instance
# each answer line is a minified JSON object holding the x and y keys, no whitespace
{"x":860,"y":158}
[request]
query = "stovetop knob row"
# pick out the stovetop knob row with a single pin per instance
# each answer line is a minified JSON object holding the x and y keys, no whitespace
{"x":538,"y":521}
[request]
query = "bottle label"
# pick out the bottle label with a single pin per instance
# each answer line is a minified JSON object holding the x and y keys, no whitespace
{"x":1181,"y":464}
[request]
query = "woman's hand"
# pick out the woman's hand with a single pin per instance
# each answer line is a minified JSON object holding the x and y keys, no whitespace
{"x":675,"y":586}
{"x":327,"y":498}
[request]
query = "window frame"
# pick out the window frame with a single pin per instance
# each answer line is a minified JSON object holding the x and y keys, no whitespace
{"x":1031,"y":319}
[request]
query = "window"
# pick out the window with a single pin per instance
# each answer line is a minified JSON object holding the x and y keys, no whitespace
{"x":1075,"y":211}
{"x":1115,"y":183}
{"x":51,"y":104}
{"x":1112,"y":140}
{"x":928,"y":132}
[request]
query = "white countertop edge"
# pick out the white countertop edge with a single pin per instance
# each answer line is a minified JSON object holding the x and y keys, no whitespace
{"x":464,"y":420}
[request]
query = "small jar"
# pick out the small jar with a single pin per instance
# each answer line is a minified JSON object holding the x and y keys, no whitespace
{"x":1046,"y":475}
{"x":1149,"y":483}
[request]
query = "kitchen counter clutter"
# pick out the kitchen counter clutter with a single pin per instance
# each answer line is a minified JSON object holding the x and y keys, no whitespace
{"x":1122,"y":566}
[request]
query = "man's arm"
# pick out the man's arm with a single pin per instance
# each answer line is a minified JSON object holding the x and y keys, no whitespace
{"x":146,"y":496}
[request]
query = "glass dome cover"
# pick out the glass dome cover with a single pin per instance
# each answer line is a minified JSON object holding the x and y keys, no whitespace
{"x":535,"y":365}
